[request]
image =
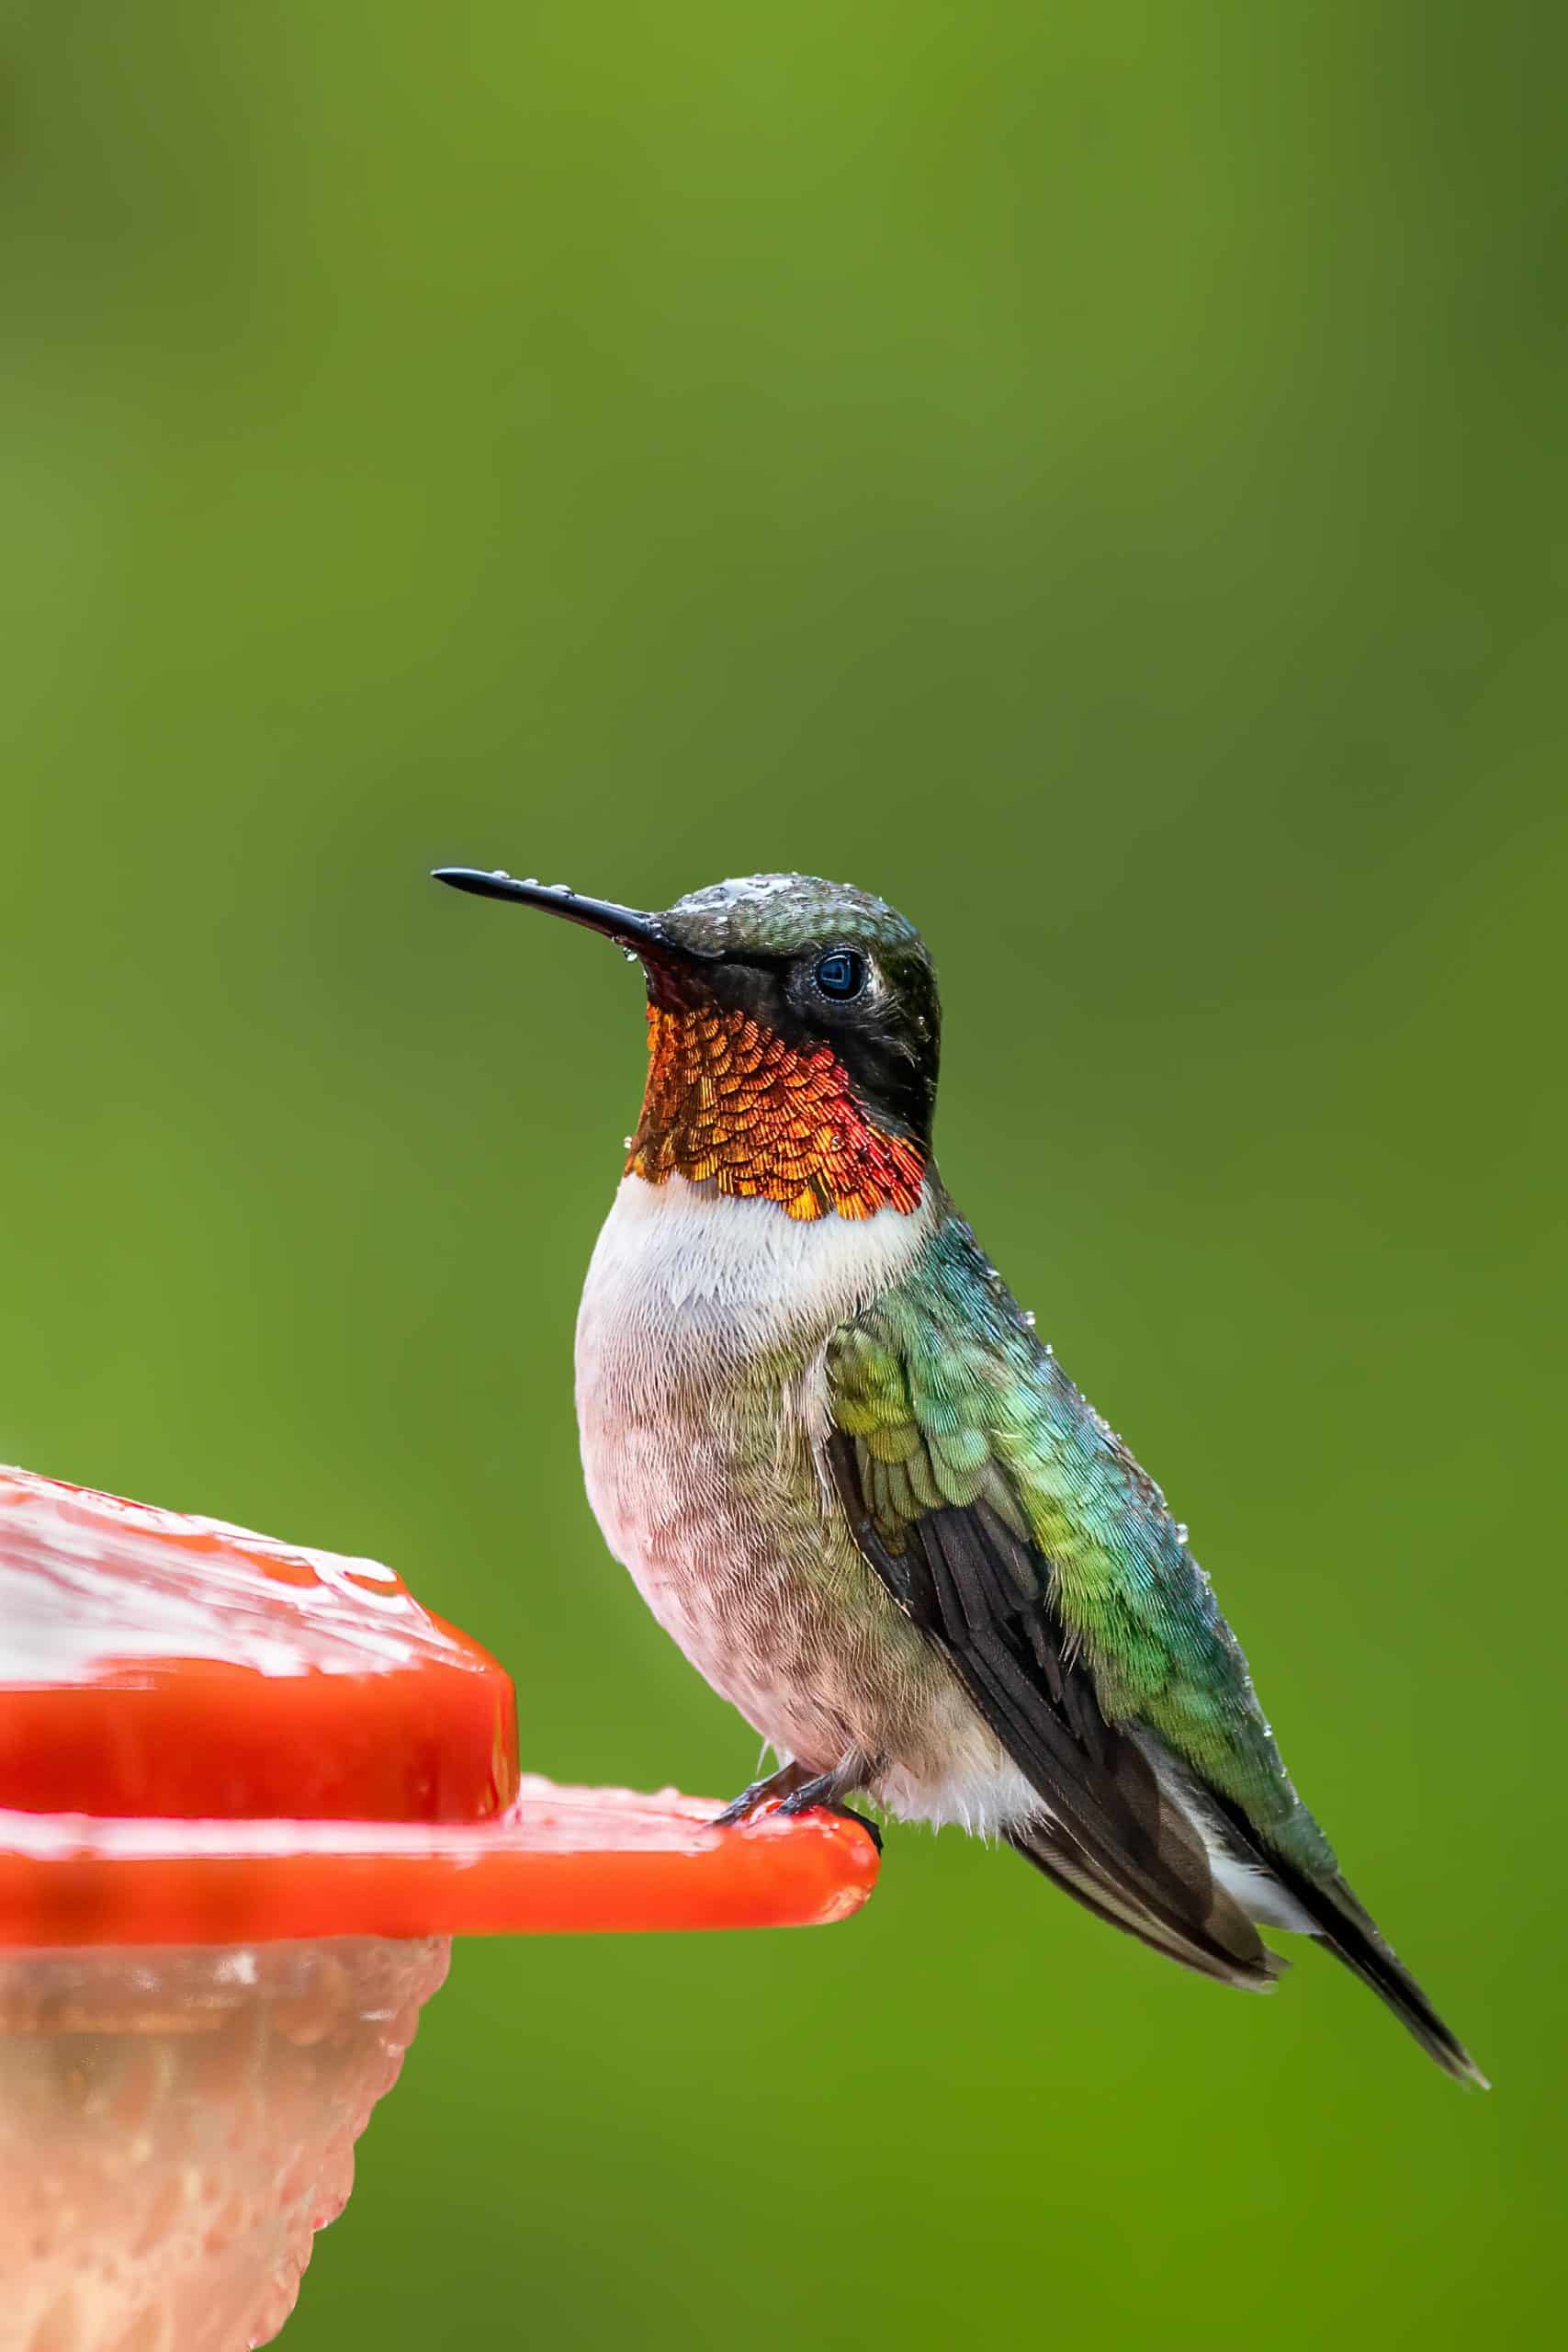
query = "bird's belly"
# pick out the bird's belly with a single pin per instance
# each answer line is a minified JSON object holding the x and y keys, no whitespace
{"x":699,"y":1464}
{"x":735,"y":1563}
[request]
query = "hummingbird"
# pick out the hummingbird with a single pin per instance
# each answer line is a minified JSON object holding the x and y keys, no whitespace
{"x":862,"y":1494}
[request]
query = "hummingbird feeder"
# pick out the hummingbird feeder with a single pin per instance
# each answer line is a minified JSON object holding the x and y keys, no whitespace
{"x":248,"y":1794}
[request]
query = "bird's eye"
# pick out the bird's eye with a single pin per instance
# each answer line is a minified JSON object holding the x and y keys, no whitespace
{"x":840,"y":975}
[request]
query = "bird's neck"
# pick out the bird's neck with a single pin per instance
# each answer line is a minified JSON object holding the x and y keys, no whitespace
{"x":731,"y":1102}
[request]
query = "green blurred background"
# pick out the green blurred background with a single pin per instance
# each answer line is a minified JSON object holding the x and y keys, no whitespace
{"x":1094,"y":475}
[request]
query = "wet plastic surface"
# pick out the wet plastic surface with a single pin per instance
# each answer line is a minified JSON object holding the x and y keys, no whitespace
{"x":154,"y":1663}
{"x":247,"y":1792}
{"x":207,"y":1736}
{"x":559,"y":1861}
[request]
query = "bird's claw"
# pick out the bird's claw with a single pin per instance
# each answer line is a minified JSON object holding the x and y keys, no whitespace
{"x":823,"y":1795}
{"x":805,"y":1803}
{"x":791,"y":1791}
{"x":761,"y":1794}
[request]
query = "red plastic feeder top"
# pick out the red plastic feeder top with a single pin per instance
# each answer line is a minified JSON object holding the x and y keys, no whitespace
{"x":208,"y":1737}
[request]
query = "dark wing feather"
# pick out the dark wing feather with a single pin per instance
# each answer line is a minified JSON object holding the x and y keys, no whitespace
{"x":1111,"y":1834}
{"x":965,"y":1460}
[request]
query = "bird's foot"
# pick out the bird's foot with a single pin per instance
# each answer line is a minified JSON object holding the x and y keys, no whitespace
{"x":776,"y":1789}
{"x":794,"y":1788}
{"x":823,"y":1793}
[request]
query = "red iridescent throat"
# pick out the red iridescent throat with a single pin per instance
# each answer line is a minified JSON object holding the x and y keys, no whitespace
{"x":731,"y":1102}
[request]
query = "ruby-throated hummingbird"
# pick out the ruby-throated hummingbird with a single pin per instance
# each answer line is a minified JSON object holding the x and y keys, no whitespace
{"x":865,"y":1499}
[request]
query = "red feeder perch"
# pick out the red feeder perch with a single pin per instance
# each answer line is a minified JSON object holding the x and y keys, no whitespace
{"x":248,"y":1793}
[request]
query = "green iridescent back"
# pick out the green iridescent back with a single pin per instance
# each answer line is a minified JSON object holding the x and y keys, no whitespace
{"x":953,"y":1400}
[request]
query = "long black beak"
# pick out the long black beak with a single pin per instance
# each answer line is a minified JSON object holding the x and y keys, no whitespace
{"x":627,"y":925}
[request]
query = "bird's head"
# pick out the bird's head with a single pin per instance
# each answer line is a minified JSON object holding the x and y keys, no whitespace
{"x":793,"y":1032}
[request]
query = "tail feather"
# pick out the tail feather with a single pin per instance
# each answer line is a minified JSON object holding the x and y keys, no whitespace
{"x":1353,"y":1936}
{"x":1220,"y":1941}
{"x":1344,"y":1925}
{"x":1323,"y":1905}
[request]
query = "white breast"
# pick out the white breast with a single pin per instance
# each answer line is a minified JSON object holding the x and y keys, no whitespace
{"x":699,"y":1350}
{"x":695,"y":1272}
